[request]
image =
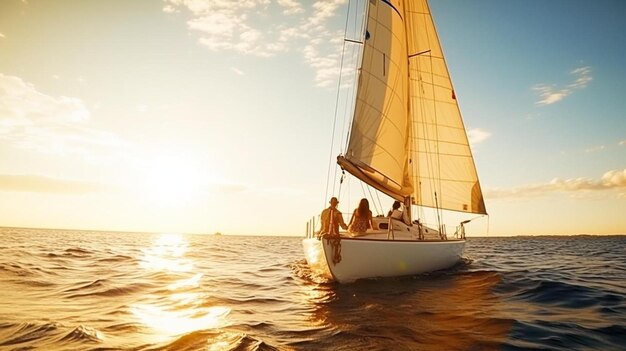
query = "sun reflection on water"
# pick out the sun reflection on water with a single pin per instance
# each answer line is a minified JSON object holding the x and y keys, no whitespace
{"x":181,"y":322}
{"x":167,"y":254}
{"x":178,"y":309}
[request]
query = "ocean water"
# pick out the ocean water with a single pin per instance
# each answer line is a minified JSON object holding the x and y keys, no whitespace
{"x":79,"y":290}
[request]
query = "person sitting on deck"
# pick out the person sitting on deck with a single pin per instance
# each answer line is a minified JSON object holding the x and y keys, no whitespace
{"x":331,"y":219}
{"x":397,"y":213}
{"x":361,"y":219}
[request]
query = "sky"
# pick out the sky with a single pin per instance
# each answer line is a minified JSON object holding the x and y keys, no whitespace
{"x":201,"y":116}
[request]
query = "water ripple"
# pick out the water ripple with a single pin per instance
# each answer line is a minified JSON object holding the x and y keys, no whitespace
{"x":78,"y":290}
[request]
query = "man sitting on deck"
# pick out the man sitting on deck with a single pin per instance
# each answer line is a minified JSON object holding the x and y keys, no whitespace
{"x":332,"y":219}
{"x":397,"y":213}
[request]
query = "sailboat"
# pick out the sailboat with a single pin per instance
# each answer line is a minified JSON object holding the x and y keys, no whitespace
{"x":407,"y":140}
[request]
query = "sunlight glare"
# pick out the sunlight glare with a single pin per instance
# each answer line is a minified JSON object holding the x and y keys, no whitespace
{"x":191,"y":282}
{"x":167,"y":255}
{"x":180,"y":322}
{"x":171,"y":180}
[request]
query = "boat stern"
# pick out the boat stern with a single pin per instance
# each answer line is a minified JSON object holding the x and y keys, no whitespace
{"x":316,"y":258}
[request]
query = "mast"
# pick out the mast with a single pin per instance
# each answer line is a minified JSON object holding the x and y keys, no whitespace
{"x":408,"y":201}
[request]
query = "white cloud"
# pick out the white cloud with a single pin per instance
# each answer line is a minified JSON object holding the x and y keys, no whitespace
{"x":615,"y":179}
{"x":291,"y":6}
{"x":2,"y":35}
{"x":595,"y":149}
{"x":254,"y":27}
{"x":622,"y":143}
{"x":170,"y":9}
{"x":237,"y":71}
{"x":550,"y":94}
{"x":32,"y":120}
{"x":227,"y":188}
{"x":477,"y":135}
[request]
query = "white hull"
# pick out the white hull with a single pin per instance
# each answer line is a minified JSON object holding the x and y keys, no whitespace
{"x":370,"y":258}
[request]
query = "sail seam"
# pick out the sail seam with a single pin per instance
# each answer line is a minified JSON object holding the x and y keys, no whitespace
{"x":444,"y":154}
{"x":382,"y":113}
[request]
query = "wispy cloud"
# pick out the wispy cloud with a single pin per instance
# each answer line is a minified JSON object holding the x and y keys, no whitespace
{"x":290,"y":6}
{"x":550,"y":93}
{"x":477,"y":135}
{"x":41,"y":184}
{"x":595,"y":149}
{"x":615,"y":179}
{"x":2,"y":35}
{"x":170,"y":9}
{"x":255,"y":27}
{"x":622,"y":143}
{"x":237,"y":71}
{"x":32,"y":120}
{"x":226,"y":188}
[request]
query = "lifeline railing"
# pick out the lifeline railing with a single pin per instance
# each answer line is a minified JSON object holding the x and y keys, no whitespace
{"x":459,"y":232}
{"x":310,"y":228}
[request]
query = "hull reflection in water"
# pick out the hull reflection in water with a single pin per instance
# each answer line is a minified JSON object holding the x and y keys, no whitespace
{"x":439,"y":312}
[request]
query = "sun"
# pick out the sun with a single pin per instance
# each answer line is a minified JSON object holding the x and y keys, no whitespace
{"x":170,"y":180}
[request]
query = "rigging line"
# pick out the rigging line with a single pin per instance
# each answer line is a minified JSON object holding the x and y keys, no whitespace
{"x":346,"y":115}
{"x":335,"y":179}
{"x":343,"y":50}
{"x":380,"y":203}
{"x":369,"y":190}
{"x":363,"y":189}
{"x":352,"y":101}
{"x":350,"y":98}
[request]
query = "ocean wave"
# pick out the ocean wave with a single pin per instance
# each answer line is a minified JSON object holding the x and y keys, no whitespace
{"x":77,"y":252}
{"x":17,"y":270}
{"x":115,"y":258}
{"x":568,"y":336}
{"x":110,"y":291}
{"x":257,"y":293}
{"x":28,"y":332}
{"x":224,"y":340}
{"x":83,"y":334}
{"x":31,"y":335}
{"x":561,"y":294}
{"x":88,"y":285}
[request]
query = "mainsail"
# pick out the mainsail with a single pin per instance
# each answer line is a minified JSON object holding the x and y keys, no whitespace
{"x":407,"y":137}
